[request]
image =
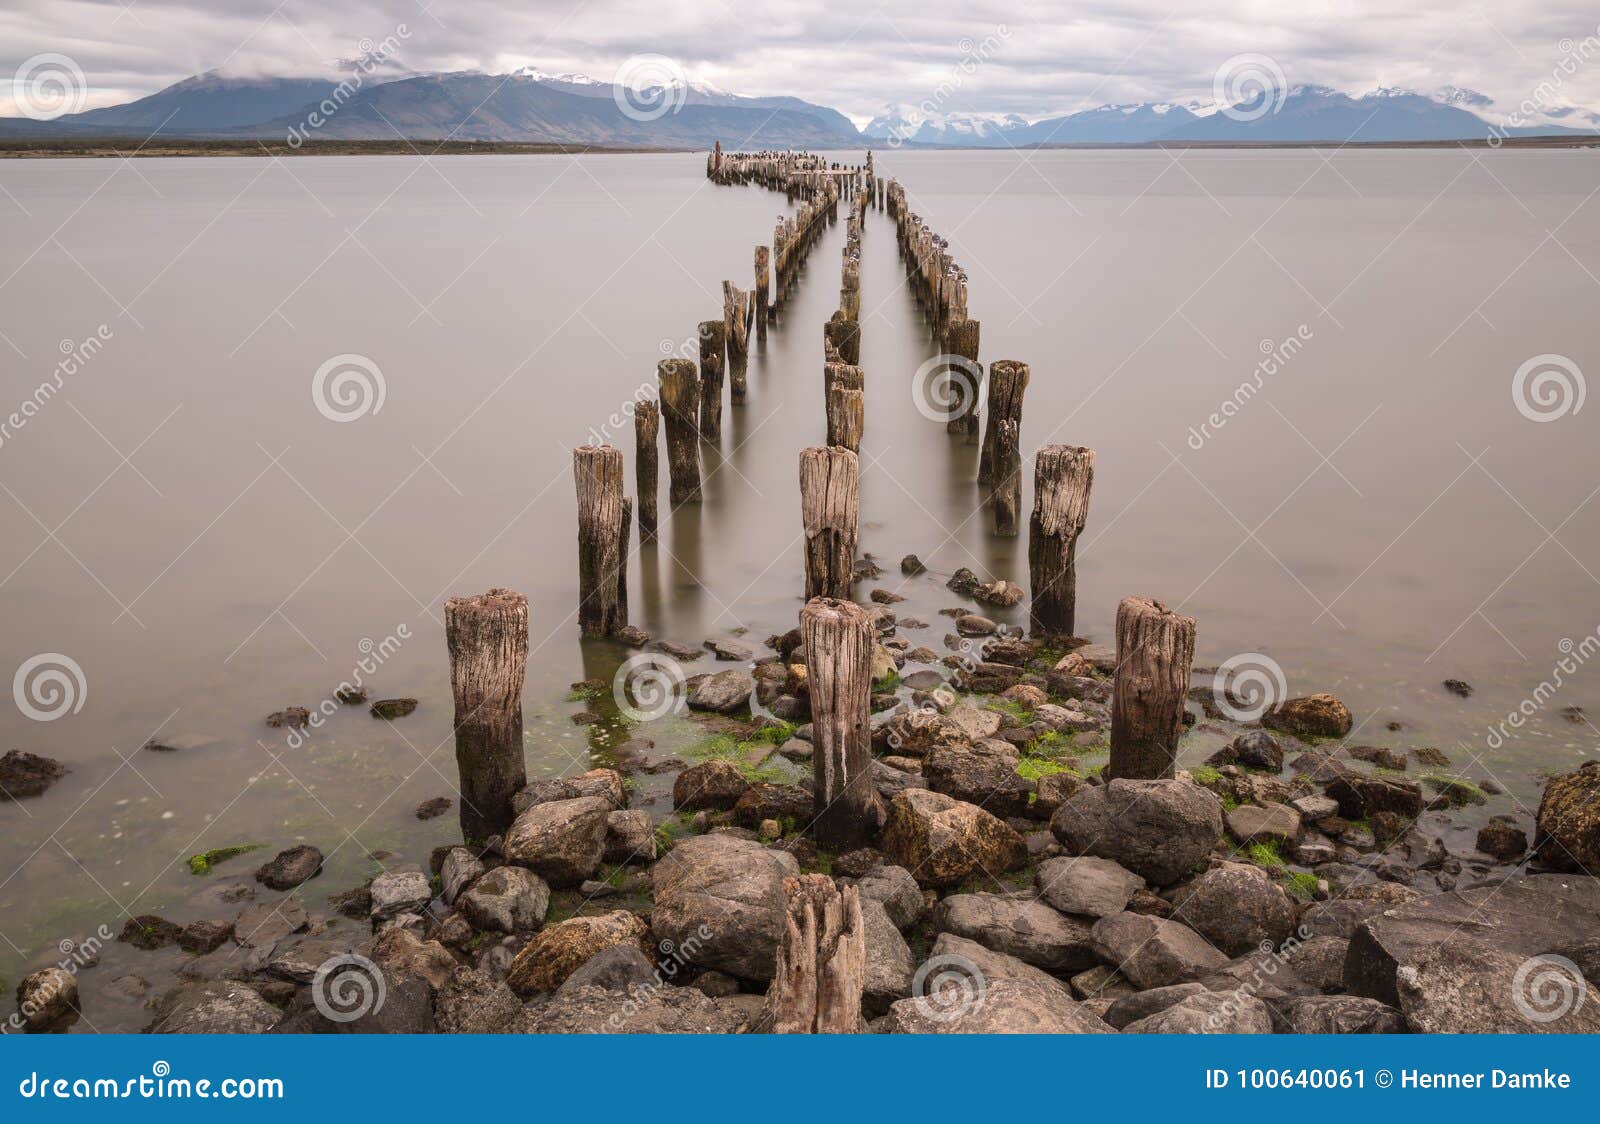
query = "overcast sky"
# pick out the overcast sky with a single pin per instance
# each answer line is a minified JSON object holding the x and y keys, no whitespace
{"x":1033,"y":57}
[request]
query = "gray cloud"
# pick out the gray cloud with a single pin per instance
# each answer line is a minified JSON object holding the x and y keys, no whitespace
{"x":1042,"y":57}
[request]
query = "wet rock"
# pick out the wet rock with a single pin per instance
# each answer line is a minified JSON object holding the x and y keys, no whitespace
{"x":911,"y":564}
{"x":894,"y":887}
{"x":403,"y":889}
{"x":473,"y":1003}
{"x":1359,"y":796}
{"x":458,"y":871}
{"x":730,"y":651}
{"x":632,"y":636}
{"x":1567,"y":829}
{"x":716,"y":784}
{"x":1502,"y":838}
{"x":1237,"y":907}
{"x":1459,"y":688}
{"x":973,"y":625}
{"x":1254,"y":749}
{"x":562,"y":841}
{"x":1432,"y":757}
{"x":1472,"y":987}
{"x":552,"y":955}
{"x":27,"y":774}
{"x":1263,"y":823}
{"x":1376,"y":755}
{"x":1319,"y":716}
{"x":720,"y":901}
{"x":1154,"y":952}
{"x":943,"y":841}
{"x":390,"y":709}
{"x":1085,"y":885}
{"x":640,"y":1009}
{"x":290,"y":717}
{"x":508,"y":899}
{"x":1002,"y":1006}
{"x":264,"y":924}
{"x":290,"y":868}
{"x":1208,"y":1012}
{"x":963,"y":581}
{"x":1340,"y":1014}
{"x":48,"y":1001}
{"x":1029,"y":930}
{"x":1319,"y":961}
{"x":724,"y":692}
{"x":630,"y":838}
{"x":434,"y":807}
{"x":544,"y":791}
{"x":1130,"y":1009}
{"x":149,"y":932}
{"x":762,"y":801}
{"x":1000,"y":593}
{"x":215,"y":1007}
{"x":201,"y":937}
{"x":1159,"y":829}
{"x":983,"y":773}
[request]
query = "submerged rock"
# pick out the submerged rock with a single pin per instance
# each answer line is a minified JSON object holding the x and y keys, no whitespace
{"x":391,"y":709}
{"x":290,"y":868}
{"x":27,"y":774}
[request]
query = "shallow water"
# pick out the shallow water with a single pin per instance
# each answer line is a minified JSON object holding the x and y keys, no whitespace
{"x":1377,"y":518}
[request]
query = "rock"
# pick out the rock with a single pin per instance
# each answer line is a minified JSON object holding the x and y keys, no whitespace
{"x":632,"y":636}
{"x":1085,"y":885}
{"x":894,"y":887}
{"x":215,"y":1007}
{"x":890,"y":965}
{"x":1459,"y":688}
{"x":1567,"y":829}
{"x":881,"y":665}
{"x":508,"y":899}
{"x":1315,"y":807}
{"x":1338,"y":918}
{"x":1263,"y":823}
{"x":720,"y":901}
{"x":716,"y":784}
{"x":1431,"y":756}
{"x":614,"y":969}
{"x":434,"y":807}
{"x":791,"y":802}
{"x":458,"y":871}
{"x":683,"y":653}
{"x":1314,"y":850}
{"x":556,"y":952}
{"x":1376,"y":755}
{"x":1027,"y":695}
{"x":983,"y":773}
{"x":607,"y":784}
{"x":1101,"y":982}
{"x":890,"y":780}
{"x":1029,"y":930}
{"x":639,"y":1009}
{"x":544,"y":791}
{"x":1254,"y":749}
{"x":1159,"y":829}
{"x":201,"y":937}
{"x":911,"y":564}
{"x":1471,"y":987}
{"x":729,"y":651}
{"x":1502,"y":838}
{"x":724,"y":692}
{"x":1319,"y":961}
{"x":298,"y":958}
{"x":963,"y":581}
{"x":264,"y":924}
{"x":25,"y":774}
{"x":390,"y":709}
{"x":404,"y":889}
{"x":1152,"y":951}
{"x":1208,"y":1012}
{"x":1054,"y":790}
{"x":149,"y":932}
{"x":973,"y":625}
{"x":1130,"y":1009}
{"x":1262,"y":972}
{"x":562,"y":841}
{"x":406,"y":955}
{"x":1003,"y":1006}
{"x":1360,"y":796}
{"x":918,"y":731}
{"x":1000,"y":593}
{"x":630,"y":837}
{"x":1237,"y":907}
{"x":473,"y":1003}
{"x":290,"y":868}
{"x":1340,"y":1014}
{"x":48,"y":1001}
{"x":350,"y":696}
{"x":969,"y":960}
{"x":291,"y":717}
{"x":943,"y":841}
{"x":1318,"y":716}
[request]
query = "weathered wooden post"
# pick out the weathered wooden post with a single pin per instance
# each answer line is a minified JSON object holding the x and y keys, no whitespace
{"x":713,"y":350}
{"x":1008,"y":380}
{"x":837,"y":637}
{"x":680,"y":406}
{"x":846,"y":416}
{"x":603,"y":518}
{"x":488,"y":641}
{"x":1155,"y":650}
{"x":646,"y":470}
{"x":763,"y":278}
{"x":830,"y":508}
{"x":844,"y":335}
{"x":1006,"y":497}
{"x":736,"y":328}
{"x":961,"y":342}
{"x":822,"y":959}
{"x":1062,"y":477}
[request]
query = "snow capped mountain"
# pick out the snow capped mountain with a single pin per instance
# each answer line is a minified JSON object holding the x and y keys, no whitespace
{"x":908,"y":123}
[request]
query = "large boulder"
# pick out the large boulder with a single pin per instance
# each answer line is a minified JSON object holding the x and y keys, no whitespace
{"x":1153,"y":951}
{"x":982,"y":773}
{"x":1319,"y":961}
{"x":1317,"y":716}
{"x":1208,"y":1012}
{"x":715,"y":785}
{"x":1129,"y":1009}
{"x":943,"y":841}
{"x":1361,"y":796}
{"x":1159,"y":829}
{"x":1567,"y":829}
{"x":637,"y":1009}
{"x":983,"y":965}
{"x":630,"y":837}
{"x":897,"y":890}
{"x":1085,"y":885}
{"x":1527,"y":916}
{"x":890,"y":965}
{"x":916,"y":732}
{"x":1471,"y":987}
{"x":552,"y":955}
{"x":509,"y":899}
{"x":404,"y":889}
{"x":1339,"y":1014}
{"x":48,"y":1000}
{"x":1237,"y":907}
{"x":561,"y":841}
{"x":1263,"y":823}
{"x":724,"y":692}
{"x":1003,"y":1006}
{"x":1027,"y":929}
{"x":215,"y":1007}
{"x":289,"y":868}
{"x":719,"y":900}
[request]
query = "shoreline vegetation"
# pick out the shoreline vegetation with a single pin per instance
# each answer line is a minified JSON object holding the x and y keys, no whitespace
{"x":123,"y":147}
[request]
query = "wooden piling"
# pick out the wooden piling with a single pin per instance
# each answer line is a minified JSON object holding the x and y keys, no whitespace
{"x":1008,"y":380}
{"x":736,"y":330}
{"x":838,"y":637}
{"x":822,"y":959}
{"x":846,"y":417}
{"x":763,"y":279}
{"x":961,"y":342}
{"x":713,"y":350}
{"x":1062,"y":478}
{"x":843,"y":335}
{"x":603,"y":517}
{"x":680,"y":407}
{"x":488,"y":640}
{"x":1006,"y":496}
{"x":830,"y":508}
{"x":646,"y":466}
{"x":1155,"y":649}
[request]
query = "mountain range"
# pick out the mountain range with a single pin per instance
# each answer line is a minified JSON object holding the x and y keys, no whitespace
{"x":529,"y":106}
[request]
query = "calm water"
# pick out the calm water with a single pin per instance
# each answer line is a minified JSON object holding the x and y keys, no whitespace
{"x":184,"y":523}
